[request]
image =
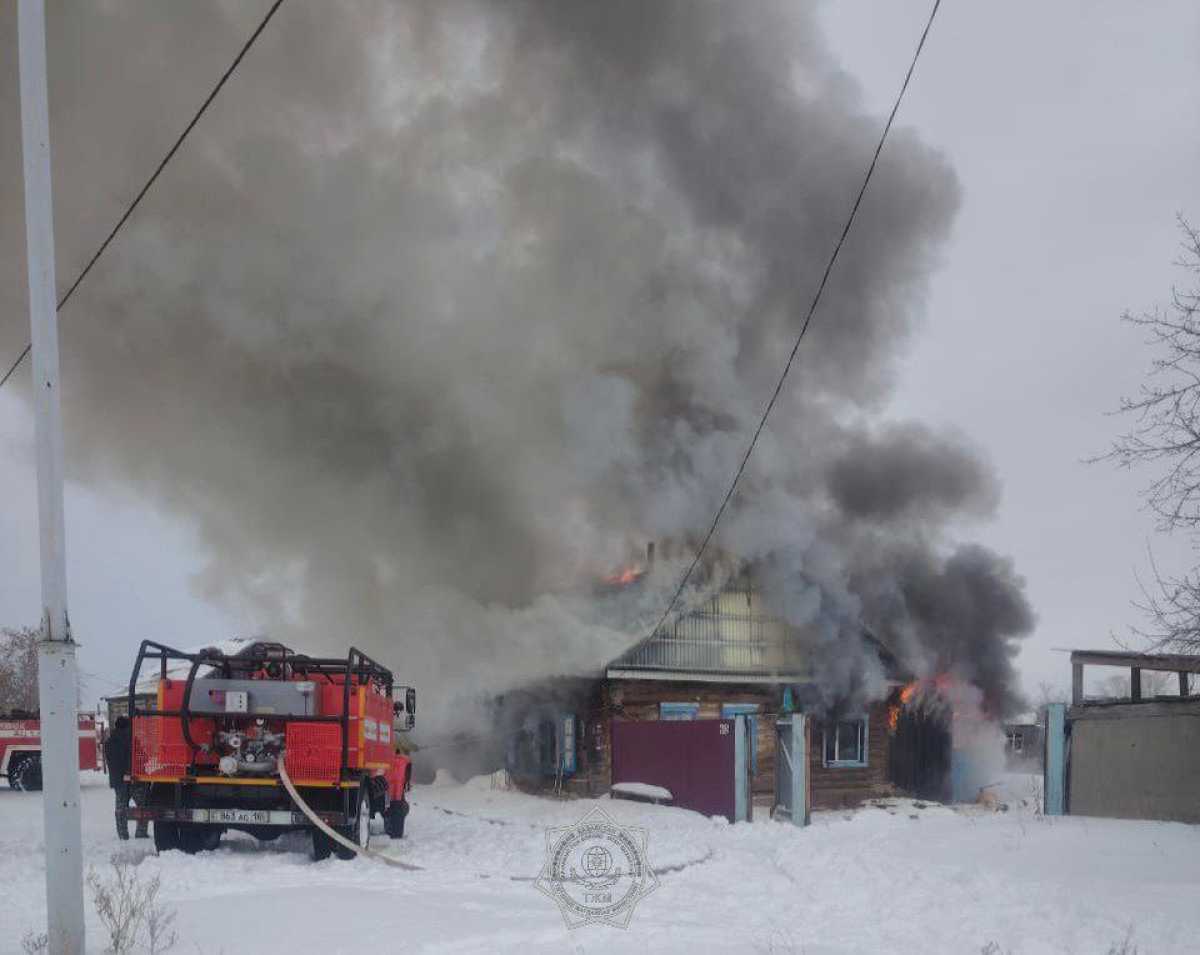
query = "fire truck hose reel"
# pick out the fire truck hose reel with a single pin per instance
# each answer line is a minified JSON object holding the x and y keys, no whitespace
{"x":329,"y":830}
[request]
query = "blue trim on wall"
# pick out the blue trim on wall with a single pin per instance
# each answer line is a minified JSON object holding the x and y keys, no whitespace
{"x":741,"y":779}
{"x":678,"y":711}
{"x":848,"y":763}
{"x":1055,"y":784}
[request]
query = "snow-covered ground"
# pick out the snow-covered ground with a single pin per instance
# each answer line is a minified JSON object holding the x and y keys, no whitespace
{"x":903,"y":877}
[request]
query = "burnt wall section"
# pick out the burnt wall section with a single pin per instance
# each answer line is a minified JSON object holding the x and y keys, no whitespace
{"x":920,"y":753}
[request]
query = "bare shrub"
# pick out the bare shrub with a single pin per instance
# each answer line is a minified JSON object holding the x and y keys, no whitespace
{"x":129,"y":909}
{"x":778,"y":942}
{"x":1037,"y":796}
{"x":34,"y":944}
{"x":160,"y":927}
{"x":1125,"y":946}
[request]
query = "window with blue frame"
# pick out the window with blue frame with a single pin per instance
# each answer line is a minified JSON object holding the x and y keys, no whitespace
{"x":748,"y":710}
{"x":678,"y":711}
{"x":845,"y":742}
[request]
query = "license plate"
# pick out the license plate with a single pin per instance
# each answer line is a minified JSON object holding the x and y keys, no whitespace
{"x":254,"y":817}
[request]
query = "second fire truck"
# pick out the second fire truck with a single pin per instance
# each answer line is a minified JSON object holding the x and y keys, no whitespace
{"x":21,"y":749}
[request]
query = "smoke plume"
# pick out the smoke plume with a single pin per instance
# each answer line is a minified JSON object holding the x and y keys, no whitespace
{"x":445,"y":307}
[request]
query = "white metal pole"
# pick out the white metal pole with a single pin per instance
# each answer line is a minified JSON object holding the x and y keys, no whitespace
{"x":57,"y":680}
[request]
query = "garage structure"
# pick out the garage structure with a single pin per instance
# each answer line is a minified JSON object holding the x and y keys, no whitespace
{"x":1136,"y":756}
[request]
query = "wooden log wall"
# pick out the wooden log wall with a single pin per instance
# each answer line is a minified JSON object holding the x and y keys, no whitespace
{"x":834,"y":787}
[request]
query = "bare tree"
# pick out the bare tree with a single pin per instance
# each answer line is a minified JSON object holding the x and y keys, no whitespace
{"x":1166,"y":436}
{"x":18,"y":669}
{"x":1048,"y":693}
{"x":1117,"y":686}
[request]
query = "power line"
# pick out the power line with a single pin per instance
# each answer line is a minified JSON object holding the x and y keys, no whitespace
{"x":154,"y":176}
{"x":804,"y":327}
{"x":13,"y":367}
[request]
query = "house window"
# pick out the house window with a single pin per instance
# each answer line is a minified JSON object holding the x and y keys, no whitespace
{"x":678,"y":711}
{"x":1016,"y":741}
{"x":846,"y":742}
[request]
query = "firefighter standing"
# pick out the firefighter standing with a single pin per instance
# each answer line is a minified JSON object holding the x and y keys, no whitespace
{"x":118,"y":749}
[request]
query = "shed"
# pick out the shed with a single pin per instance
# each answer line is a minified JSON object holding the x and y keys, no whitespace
{"x":1133,"y":756}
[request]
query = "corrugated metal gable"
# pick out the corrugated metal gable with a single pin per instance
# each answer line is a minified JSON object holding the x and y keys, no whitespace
{"x":730,"y":632}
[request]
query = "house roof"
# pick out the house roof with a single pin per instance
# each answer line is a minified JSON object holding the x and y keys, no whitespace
{"x":729,"y":637}
{"x":1170,"y":662}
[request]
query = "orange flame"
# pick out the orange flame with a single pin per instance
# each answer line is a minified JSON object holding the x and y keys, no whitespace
{"x":624,"y":577}
{"x":906,"y":697}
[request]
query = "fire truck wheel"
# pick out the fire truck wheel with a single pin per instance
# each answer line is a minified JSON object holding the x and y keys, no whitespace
{"x":393,"y":822}
{"x":359,"y":831}
{"x":29,"y":774}
{"x":322,"y":845}
{"x":193,"y":838}
{"x":166,"y":836}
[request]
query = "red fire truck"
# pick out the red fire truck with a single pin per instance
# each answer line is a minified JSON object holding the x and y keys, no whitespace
{"x":21,"y":749}
{"x":207,"y":754}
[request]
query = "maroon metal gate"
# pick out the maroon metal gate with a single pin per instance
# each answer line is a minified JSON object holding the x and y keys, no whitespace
{"x":694,"y":759}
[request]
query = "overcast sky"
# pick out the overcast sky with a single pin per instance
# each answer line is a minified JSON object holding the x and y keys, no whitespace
{"x":1074,"y":129}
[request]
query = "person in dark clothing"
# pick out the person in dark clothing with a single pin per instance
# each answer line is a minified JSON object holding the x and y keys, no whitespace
{"x":118,"y":752}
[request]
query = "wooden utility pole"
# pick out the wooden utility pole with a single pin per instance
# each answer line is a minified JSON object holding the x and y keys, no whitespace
{"x":57,"y":678}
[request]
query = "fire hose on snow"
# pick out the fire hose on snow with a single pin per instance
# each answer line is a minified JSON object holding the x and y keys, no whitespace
{"x":343,"y":841}
{"x":329,"y":830}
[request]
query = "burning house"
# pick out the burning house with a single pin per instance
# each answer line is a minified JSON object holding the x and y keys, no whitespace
{"x":730,"y":656}
{"x":656,"y":714}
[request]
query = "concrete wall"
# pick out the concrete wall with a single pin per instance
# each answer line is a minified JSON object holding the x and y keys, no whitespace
{"x":1135,"y":761}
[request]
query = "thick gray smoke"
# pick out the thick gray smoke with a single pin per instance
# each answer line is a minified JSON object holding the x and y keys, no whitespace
{"x":446,"y":306}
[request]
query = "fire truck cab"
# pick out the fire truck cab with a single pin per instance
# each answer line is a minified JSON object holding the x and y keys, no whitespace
{"x":21,"y":748}
{"x":206,"y":754}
